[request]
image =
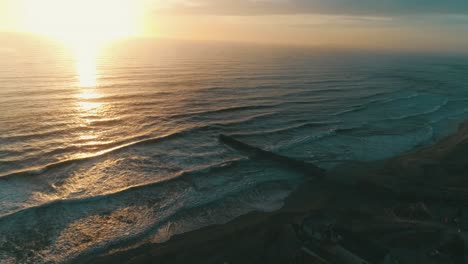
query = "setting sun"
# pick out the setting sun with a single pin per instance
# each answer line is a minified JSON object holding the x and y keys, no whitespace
{"x":79,"y":23}
{"x":83,"y":26}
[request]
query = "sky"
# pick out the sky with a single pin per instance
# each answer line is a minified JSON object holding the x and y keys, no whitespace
{"x":420,"y":25}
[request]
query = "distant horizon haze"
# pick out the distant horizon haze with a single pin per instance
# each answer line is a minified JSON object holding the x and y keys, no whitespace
{"x":413,"y":26}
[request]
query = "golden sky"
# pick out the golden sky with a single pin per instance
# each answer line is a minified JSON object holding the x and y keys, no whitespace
{"x":397,"y":24}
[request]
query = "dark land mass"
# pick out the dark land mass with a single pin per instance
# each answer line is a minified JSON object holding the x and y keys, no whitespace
{"x":407,"y":209}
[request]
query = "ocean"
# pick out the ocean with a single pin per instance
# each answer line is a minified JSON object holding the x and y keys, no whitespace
{"x":111,"y":150}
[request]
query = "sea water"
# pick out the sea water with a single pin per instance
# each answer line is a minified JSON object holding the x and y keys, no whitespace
{"x":116,"y":148}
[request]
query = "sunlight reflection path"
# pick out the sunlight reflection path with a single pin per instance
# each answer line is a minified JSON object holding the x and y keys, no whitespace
{"x":86,"y":58}
{"x":90,"y":109}
{"x":86,"y":71}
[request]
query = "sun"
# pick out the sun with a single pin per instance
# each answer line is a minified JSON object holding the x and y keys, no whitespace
{"x":84,"y":26}
{"x":82,"y":22}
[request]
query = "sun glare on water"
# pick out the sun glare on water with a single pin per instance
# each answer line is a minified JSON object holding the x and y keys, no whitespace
{"x":86,"y":68}
{"x":84,"y":26}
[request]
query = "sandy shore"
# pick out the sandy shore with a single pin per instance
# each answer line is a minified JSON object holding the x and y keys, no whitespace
{"x":412,"y":206}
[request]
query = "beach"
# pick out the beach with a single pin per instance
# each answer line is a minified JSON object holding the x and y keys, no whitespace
{"x":408,"y":204}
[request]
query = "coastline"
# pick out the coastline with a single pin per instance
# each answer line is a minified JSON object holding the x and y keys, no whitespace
{"x":405,"y":203}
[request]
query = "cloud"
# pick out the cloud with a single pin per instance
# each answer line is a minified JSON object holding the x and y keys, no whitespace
{"x":337,"y":7}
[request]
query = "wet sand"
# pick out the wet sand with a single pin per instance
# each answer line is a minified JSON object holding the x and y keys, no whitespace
{"x":412,"y":205}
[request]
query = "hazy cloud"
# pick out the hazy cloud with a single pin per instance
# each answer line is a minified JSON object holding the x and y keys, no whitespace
{"x":342,"y":7}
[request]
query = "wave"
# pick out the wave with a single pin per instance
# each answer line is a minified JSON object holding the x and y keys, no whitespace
{"x":363,"y":129}
{"x":404,"y":118}
{"x":131,"y":97}
{"x":361,"y":107}
{"x":353,"y":109}
{"x":9,"y":152}
{"x":213,"y":127}
{"x":41,"y":169}
{"x":366,"y":105}
{"x":119,"y":146}
{"x":40,"y":135}
{"x":151,"y":209}
{"x":181,"y":176}
{"x":47,"y":131}
{"x":253,"y":106}
{"x":224,"y":110}
{"x":199,"y":216}
{"x":309,"y":138}
{"x":286,"y":129}
{"x":429,"y":111}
